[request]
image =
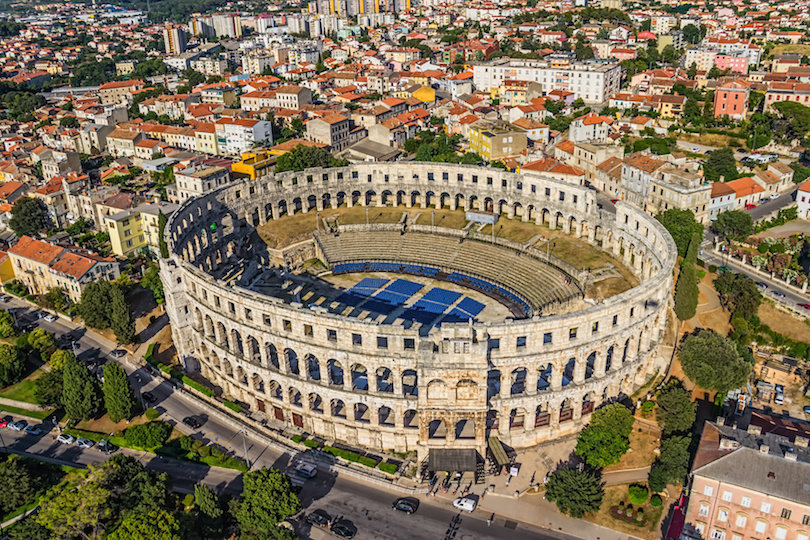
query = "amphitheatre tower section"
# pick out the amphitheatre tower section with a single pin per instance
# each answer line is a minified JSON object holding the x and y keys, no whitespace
{"x":366,"y":305}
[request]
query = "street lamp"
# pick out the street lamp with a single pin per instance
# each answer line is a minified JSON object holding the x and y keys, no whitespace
{"x":243,"y":430}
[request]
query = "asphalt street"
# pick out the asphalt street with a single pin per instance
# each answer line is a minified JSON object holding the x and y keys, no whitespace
{"x":366,"y":506}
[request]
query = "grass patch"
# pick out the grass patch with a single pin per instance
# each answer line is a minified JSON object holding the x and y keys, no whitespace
{"x":191,"y":383}
{"x":515,"y":230}
{"x":442,"y":217}
{"x":233,"y":406}
{"x":389,"y":468}
{"x":367,"y":461}
{"x":348,"y":455}
{"x":642,"y":443}
{"x":311,"y":443}
{"x":614,"y":496}
{"x":23,"y":390}
{"x":39,"y":415}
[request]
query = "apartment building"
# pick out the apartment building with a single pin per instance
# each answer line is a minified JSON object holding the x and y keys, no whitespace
{"x":637,"y":174}
{"x":292,"y":97}
{"x":590,"y":127}
{"x":722,"y":199}
{"x":210,"y":66}
{"x":42,"y":266}
{"x":495,"y":141}
{"x":118,"y":92}
{"x":594,"y":80}
{"x":731,"y":98}
{"x":803,"y":200}
{"x":136,"y":229}
{"x":174,"y":38}
{"x":121,"y":142}
{"x":750,"y":484}
{"x":332,"y":130}
{"x":673,"y":187}
{"x":198,"y":178}
{"x":237,"y":135}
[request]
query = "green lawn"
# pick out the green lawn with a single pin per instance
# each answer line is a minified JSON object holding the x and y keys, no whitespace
{"x":41,"y":415}
{"x":23,"y":390}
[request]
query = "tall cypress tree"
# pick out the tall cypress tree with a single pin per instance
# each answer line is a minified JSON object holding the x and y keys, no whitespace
{"x":118,"y":396}
{"x":686,"y":290}
{"x":80,"y":395}
{"x":120,"y":318}
{"x":94,"y":307}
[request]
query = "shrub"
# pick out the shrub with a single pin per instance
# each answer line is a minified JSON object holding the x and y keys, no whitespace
{"x":188,"y":500}
{"x":647,"y":406}
{"x":701,"y":274}
{"x":151,"y":414}
{"x":148,"y":436}
{"x":348,"y":455}
{"x":310,"y":443}
{"x":216,"y":453}
{"x":204,"y":451}
{"x":296,"y":438}
{"x":656,"y":501}
{"x":197,"y":386}
{"x":368,"y":462}
{"x":233,"y":406}
{"x":186,"y":443}
{"x":389,"y":468}
{"x":149,"y":356}
{"x":638,"y":493}
{"x":700,"y":263}
{"x":713,"y":268}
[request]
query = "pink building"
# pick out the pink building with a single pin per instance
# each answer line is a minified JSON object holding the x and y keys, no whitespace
{"x":623,"y":54}
{"x":737,"y":64}
{"x":751,"y":484}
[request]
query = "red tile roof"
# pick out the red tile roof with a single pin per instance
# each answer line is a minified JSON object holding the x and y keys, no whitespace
{"x":36,"y":250}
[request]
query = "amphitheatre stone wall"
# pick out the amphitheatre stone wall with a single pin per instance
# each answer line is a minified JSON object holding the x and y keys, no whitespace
{"x":526,"y":381}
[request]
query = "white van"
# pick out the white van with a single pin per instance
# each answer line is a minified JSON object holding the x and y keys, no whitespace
{"x":465,"y":504}
{"x":306,"y":470}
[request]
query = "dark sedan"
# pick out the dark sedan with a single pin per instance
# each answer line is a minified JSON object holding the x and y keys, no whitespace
{"x":406,"y":504}
{"x":343,"y":530}
{"x":149,"y":397}
{"x":191,"y":422}
{"x":319,"y":518}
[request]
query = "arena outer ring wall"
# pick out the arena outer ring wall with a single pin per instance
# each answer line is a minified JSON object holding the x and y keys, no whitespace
{"x":251,"y":345}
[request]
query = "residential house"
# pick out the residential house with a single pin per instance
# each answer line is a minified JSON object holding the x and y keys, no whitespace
{"x":746,"y":191}
{"x":135,"y":230}
{"x":590,"y":127}
{"x":332,"y":130}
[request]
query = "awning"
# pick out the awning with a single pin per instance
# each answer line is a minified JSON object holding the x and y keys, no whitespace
{"x":448,"y":460}
{"x":498,"y":452}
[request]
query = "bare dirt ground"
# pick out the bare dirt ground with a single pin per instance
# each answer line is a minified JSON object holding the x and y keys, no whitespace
{"x":784,"y":323}
{"x":786,"y":230}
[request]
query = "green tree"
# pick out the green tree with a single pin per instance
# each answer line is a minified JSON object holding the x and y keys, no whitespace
{"x":303,"y":157}
{"x":156,"y":524}
{"x":721,"y":162}
{"x":209,"y":511}
{"x":672,"y":465}
{"x":119,"y":399}
{"x":95,"y":305}
{"x":121,"y":322}
{"x":738,"y":294}
{"x":164,"y":248}
{"x":58,"y":358}
{"x":148,"y":436}
{"x":193,"y":77}
{"x":17,"y":485}
{"x":28,"y":217}
{"x":575,"y":492}
{"x":69,"y":511}
{"x":69,"y":122}
{"x":267,"y":499}
{"x":686,"y":292}
{"x":692,"y":71}
{"x":681,"y":225}
{"x":691,"y":34}
{"x":733,"y":225}
{"x":607,"y":437}
{"x":676,"y":411}
{"x":43,"y":342}
{"x":80,"y":395}
{"x":48,"y":389}
{"x":12,"y":364}
{"x":151,"y":280}
{"x":7,"y":329}
{"x":28,"y":529}
{"x":713,"y":362}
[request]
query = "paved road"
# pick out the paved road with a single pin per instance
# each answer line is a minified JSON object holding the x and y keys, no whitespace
{"x":365,"y":505}
{"x":695,"y":147}
{"x":765,"y":208}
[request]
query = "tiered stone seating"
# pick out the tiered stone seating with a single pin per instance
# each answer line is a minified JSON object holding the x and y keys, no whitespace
{"x":538,"y":282}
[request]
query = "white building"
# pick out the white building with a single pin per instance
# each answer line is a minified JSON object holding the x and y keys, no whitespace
{"x":235,"y":136}
{"x":590,"y":127}
{"x":594,"y":81}
{"x":803,"y":200}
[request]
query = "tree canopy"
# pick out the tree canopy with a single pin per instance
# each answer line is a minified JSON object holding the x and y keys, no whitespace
{"x":304,"y":157}
{"x":721,"y":162}
{"x":738,"y":294}
{"x":575,"y":492}
{"x":119,"y":399}
{"x":12,"y":364}
{"x":672,"y":465}
{"x":713,"y":362}
{"x":606,"y":438}
{"x":80,"y":396}
{"x":28,"y":217}
{"x":267,"y":499}
{"x":676,"y":410}
{"x":682,"y":225}
{"x":733,"y":225}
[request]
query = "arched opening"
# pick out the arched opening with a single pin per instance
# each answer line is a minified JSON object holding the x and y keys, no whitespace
{"x":272,"y":355}
{"x":518,"y":382}
{"x":312,"y":202}
{"x":313,"y":368}
{"x":254,"y":351}
{"x":385,"y":416}
{"x":361,"y":413}
{"x":465,"y":429}
{"x":437,"y":429}
{"x":222,"y":336}
{"x":295,"y":398}
{"x":493,"y":383}
{"x":359,"y":376}
{"x":241,"y":375}
{"x":568,"y":371}
{"x":609,"y":357}
{"x":338,"y":408}
{"x":409,"y":383}
{"x":544,"y":378}
{"x":385,"y":382}
{"x":411,"y":419}
{"x":566,"y":411}
{"x":517,"y":418}
{"x":492,"y":421}
{"x":335,"y":373}
{"x":275,"y":390}
{"x":291,"y":357}
{"x":315,"y":403}
{"x":208,"y":324}
{"x":227,"y":369}
{"x":587,"y":403}
{"x":258,"y":383}
{"x":590,"y":365}
{"x":542,"y":416}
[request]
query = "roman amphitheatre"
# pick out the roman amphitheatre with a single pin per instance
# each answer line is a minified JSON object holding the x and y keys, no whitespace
{"x":418,"y":307}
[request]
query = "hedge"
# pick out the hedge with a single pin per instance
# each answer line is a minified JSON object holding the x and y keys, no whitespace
{"x":368,"y":462}
{"x":311,"y":443}
{"x":389,"y":468}
{"x":656,"y":501}
{"x":348,"y":455}
{"x":233,"y":406}
{"x":149,"y":354}
{"x":152,"y":414}
{"x":197,"y":386}
{"x":296,"y":438}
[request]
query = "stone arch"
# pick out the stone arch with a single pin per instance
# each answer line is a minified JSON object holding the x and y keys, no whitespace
{"x":362,"y":413}
{"x":410,"y":383}
{"x":384,"y":379}
{"x":198,"y":319}
{"x":272,"y":355}
{"x":369,"y":197}
{"x":335,"y":371}
{"x":401,"y":197}
{"x":222,"y":336}
{"x":291,"y":359}
{"x":386,"y":197}
{"x":326,"y":200}
{"x":410,"y":419}
{"x":587,"y":403}
{"x":542,"y":415}
{"x":517,"y":419}
{"x":437,"y":429}
{"x":466,"y":390}
{"x":258,"y":383}
{"x":313,"y":368}
{"x":208,"y":326}
{"x":238,"y":348}
{"x":493,"y":420}
{"x":340,"y":198}
{"x":297,"y":205}
{"x":414,"y":198}
{"x":518,"y":381}
{"x":465,"y":429}
{"x":568,"y":371}
{"x":315,"y":403}
{"x":566,"y":410}
{"x":437,"y":390}
{"x":254,"y":351}
{"x":312,"y":202}
{"x":385,"y":416}
{"x":337,"y":408}
{"x":359,"y":375}
{"x":241,"y":375}
{"x":227,"y":369}
{"x":493,"y":383}
{"x":275,"y":390}
{"x":590,"y":365}
{"x":355,"y":197}
{"x":608,"y":357}
{"x":444,"y":199}
{"x":544,"y":375}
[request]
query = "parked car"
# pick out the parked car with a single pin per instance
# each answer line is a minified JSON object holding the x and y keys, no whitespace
{"x":749,"y":206}
{"x":148,"y":397}
{"x":343,"y":530}
{"x":807,"y":409}
{"x":191,"y":422}
{"x":81,"y":442}
{"x":762,"y":285}
{"x":19,"y":425}
{"x":306,"y":470}
{"x":779,"y":399}
{"x":465,"y":504}
{"x":32,"y":430}
{"x":6,"y":421}
{"x":319,"y":518}
{"x":805,"y":306}
{"x":774,"y":196}
{"x":65,"y":438}
{"x":779,"y":389}
{"x":105,"y":446}
{"x":50,"y":318}
{"x":778,"y":294}
{"x":696,"y":149}
{"x":118,"y":353}
{"x":4,"y":299}
{"x":724,"y":268}
{"x":406,"y":504}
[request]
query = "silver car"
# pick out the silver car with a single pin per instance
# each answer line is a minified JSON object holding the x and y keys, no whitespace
{"x":81,"y":442}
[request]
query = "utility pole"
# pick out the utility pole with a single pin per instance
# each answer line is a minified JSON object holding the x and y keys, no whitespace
{"x":244,"y":443}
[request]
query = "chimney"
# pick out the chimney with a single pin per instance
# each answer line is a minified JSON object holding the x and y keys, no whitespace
{"x":720,"y":421}
{"x":754,"y":430}
{"x":764,"y":448}
{"x":790,"y":454}
{"x":801,"y":442}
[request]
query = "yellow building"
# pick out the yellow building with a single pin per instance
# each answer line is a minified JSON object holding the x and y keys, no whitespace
{"x":256,"y":163}
{"x":6,"y":268}
{"x":206,"y":138}
{"x":494,"y":141}
{"x":137,"y":229}
{"x":425,"y":94}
